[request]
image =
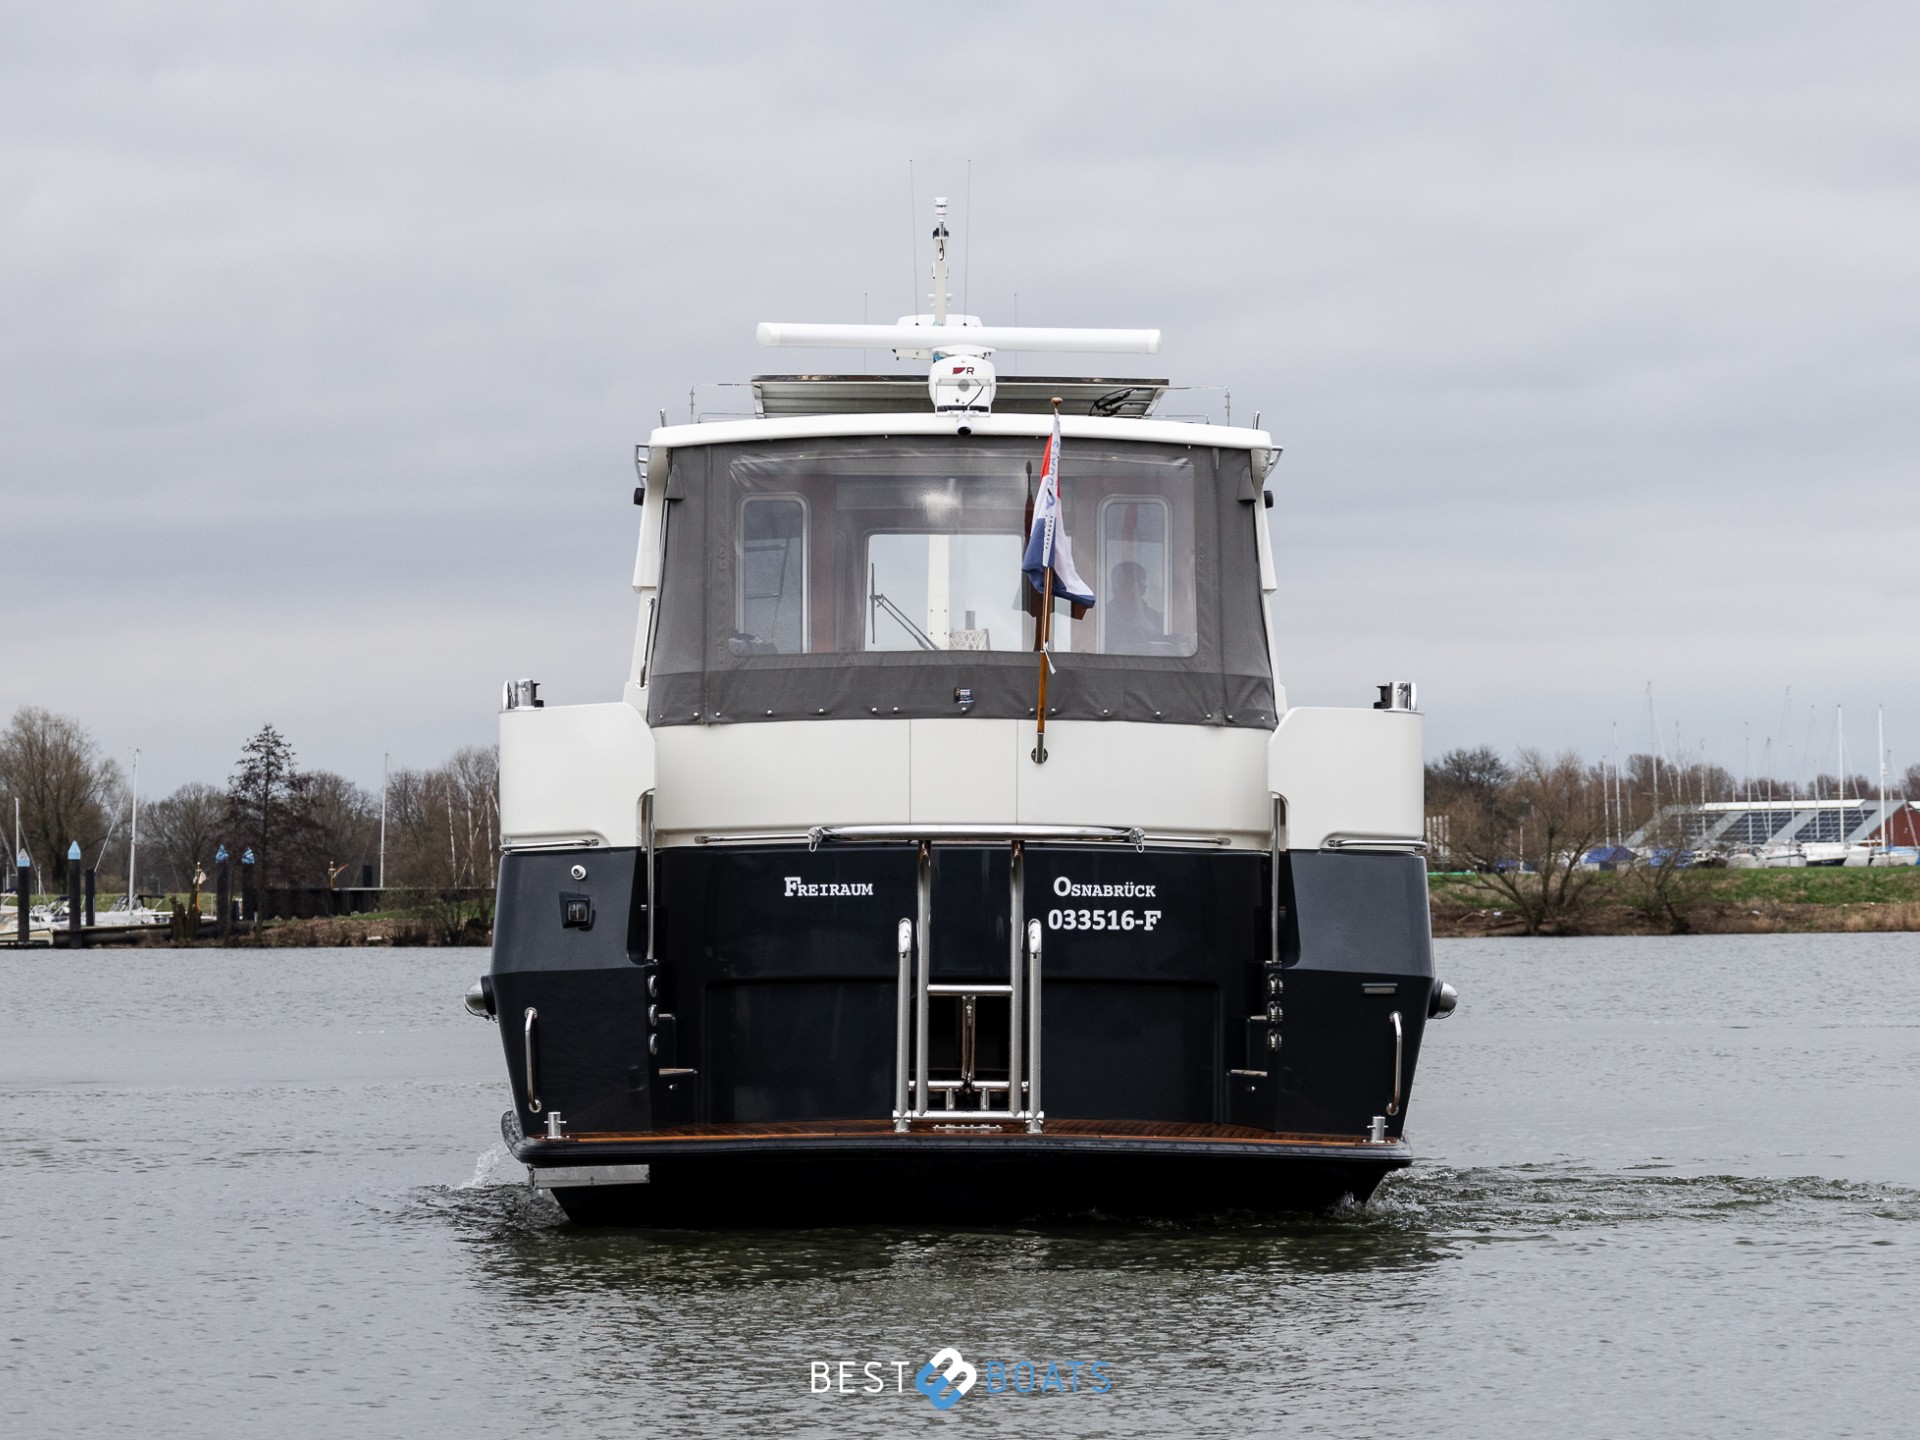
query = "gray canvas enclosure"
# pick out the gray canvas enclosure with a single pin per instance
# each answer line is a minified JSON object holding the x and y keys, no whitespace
{"x":861,"y":577}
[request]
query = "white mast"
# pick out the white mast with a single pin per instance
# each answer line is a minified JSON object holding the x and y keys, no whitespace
{"x":385,"y":760}
{"x":1606,"y":802}
{"x":133,"y":835}
{"x":1653,"y":729}
{"x":1880,"y":745}
{"x":1840,"y":775}
{"x":1747,"y":730}
{"x":1619,"y":809}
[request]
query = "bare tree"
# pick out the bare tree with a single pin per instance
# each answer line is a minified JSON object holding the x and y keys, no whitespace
{"x":67,"y":790}
{"x":185,"y":828}
{"x":334,"y":828}
{"x":1662,"y":882}
{"x":1526,"y":838}
{"x":1466,"y":775}
{"x":443,"y":825}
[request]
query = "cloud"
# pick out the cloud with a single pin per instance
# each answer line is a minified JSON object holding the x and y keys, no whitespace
{"x":1590,"y":334}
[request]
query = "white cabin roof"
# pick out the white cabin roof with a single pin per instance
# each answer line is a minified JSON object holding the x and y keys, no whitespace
{"x":1088,"y":427}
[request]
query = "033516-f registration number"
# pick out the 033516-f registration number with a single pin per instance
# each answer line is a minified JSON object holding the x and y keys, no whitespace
{"x":1102,"y":919}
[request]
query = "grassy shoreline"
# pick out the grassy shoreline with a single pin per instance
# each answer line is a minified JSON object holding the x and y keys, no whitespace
{"x":1702,"y":902}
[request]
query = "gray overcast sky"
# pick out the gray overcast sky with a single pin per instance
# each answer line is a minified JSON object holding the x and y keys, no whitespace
{"x":1590,"y":332}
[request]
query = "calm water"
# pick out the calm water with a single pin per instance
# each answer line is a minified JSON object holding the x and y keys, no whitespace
{"x":1669,"y":1187}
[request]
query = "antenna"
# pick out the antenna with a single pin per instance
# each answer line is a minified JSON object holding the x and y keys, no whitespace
{"x":940,"y":293}
{"x":913,"y":228}
{"x":966,"y":258}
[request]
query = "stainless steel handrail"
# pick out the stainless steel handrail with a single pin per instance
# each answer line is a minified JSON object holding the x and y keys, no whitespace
{"x":647,"y":838}
{"x":1017,"y":886}
{"x":1022,"y":989}
{"x":905,"y":937}
{"x":753,"y":837}
{"x":533,"y":1098}
{"x":1411,"y":844}
{"x":1093,"y":834}
{"x":963,"y":835}
{"x":1273,"y":879}
{"x":1399,"y":1038}
{"x":1034,"y":1113}
{"x":925,"y":937}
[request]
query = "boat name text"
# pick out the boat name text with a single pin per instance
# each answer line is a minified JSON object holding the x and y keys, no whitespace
{"x":1065,"y":888}
{"x":811,"y":889}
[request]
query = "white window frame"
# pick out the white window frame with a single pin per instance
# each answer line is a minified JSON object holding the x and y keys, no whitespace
{"x":806,"y":562}
{"x":1166,"y":567}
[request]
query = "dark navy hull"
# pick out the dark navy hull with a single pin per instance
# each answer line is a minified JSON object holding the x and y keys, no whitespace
{"x":1203,"y":1051}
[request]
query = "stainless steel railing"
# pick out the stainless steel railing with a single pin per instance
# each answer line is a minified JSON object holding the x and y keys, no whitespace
{"x":1399,"y":1041}
{"x":533,"y":1090}
{"x":917,"y":989}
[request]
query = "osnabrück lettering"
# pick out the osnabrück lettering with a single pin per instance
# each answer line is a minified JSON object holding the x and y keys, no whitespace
{"x":1126,"y":891}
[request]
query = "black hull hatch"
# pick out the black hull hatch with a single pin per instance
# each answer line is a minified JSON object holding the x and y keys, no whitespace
{"x":969,"y":1031}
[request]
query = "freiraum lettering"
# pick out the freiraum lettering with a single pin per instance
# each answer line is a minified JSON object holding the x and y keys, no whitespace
{"x":807,"y":889}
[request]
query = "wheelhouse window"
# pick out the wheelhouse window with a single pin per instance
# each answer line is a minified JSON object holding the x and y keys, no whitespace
{"x":917,"y":555}
{"x":862,"y":576}
{"x":771,"y":577}
{"x":1135,"y":564}
{"x":944,"y":591}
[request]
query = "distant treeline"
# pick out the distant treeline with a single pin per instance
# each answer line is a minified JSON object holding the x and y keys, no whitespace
{"x":1525,"y":831}
{"x":303,"y":827}
{"x":1626,"y":797}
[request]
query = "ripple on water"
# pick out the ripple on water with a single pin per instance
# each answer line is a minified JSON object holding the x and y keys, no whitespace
{"x":1417,"y":1218}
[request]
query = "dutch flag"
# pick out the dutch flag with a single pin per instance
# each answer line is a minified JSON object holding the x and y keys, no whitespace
{"x":1047,"y":543}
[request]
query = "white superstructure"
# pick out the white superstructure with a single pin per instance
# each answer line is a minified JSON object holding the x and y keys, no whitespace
{"x":572,"y":773}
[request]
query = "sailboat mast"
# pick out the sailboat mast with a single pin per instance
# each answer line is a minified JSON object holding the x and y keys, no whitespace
{"x":1653,"y":729}
{"x":1618,"y":814}
{"x":1840,"y":773}
{"x":133,"y":837}
{"x":1880,"y":748}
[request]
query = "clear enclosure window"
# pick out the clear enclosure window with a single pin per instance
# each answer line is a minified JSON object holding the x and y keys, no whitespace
{"x":771,"y":608}
{"x":919,"y":552}
{"x":1134,"y":605}
{"x":945,"y":592}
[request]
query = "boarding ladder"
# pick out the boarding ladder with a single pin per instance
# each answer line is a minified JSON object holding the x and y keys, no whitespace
{"x":914,"y":1086}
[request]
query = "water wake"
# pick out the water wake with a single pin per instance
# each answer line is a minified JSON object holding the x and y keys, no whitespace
{"x":1543,"y":1198}
{"x":487,"y":1172}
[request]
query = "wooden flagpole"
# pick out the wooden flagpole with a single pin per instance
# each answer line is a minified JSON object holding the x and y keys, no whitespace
{"x":1046,"y":663}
